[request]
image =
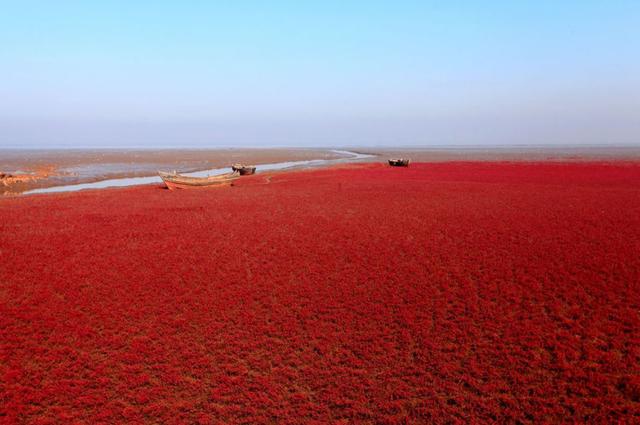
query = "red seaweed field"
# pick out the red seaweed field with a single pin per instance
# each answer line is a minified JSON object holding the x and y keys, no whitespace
{"x":447,"y":293}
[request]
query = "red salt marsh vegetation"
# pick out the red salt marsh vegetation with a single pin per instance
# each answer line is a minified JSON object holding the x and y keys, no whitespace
{"x":448,"y":293}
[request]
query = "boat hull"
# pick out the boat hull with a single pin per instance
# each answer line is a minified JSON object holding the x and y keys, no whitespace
{"x":244,"y":170}
{"x":177,"y":181}
{"x":247,"y":171}
{"x":171,"y":185}
{"x":401,"y":162}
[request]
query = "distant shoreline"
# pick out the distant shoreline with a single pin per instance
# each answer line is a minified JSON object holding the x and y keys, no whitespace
{"x":512,"y":153}
{"x":47,"y":168}
{"x":43,"y":168}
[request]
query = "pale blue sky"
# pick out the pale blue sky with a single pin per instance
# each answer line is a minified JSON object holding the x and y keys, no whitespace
{"x":257,"y":73}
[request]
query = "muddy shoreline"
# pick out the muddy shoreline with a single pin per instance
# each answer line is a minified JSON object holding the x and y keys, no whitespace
{"x":35,"y":169}
{"x":509,"y":153}
{"x":26,"y":170}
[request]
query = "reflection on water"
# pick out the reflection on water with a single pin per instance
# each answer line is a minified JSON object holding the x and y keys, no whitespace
{"x":132,"y":181}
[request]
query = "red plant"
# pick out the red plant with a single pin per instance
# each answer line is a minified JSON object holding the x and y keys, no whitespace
{"x":451,"y":292}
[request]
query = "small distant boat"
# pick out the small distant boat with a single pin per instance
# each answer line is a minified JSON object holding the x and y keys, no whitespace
{"x":399,"y":162}
{"x":178,"y":181}
{"x":244,"y":170}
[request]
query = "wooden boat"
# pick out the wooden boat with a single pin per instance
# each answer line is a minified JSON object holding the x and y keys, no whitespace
{"x":244,"y":170}
{"x":399,"y":162}
{"x":178,"y":181}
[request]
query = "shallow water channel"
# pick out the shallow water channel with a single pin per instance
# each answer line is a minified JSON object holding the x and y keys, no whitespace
{"x":132,"y":181}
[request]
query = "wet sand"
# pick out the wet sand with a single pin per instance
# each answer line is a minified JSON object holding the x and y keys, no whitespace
{"x":33,"y":169}
{"x":36,"y":169}
{"x":500,"y":153}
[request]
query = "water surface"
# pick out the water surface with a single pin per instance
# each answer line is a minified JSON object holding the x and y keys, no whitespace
{"x":155,"y":179}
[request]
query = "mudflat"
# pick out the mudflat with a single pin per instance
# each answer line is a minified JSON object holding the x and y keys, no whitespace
{"x":23,"y":170}
{"x":510,"y":153}
{"x":30,"y":169}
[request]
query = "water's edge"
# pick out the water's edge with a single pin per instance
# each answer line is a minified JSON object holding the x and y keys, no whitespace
{"x":134,"y":181}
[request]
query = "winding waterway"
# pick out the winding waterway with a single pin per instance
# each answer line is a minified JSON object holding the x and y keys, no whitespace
{"x":133,"y":181}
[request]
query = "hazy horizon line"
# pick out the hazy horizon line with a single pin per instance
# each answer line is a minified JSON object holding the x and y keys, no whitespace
{"x":334,"y":147}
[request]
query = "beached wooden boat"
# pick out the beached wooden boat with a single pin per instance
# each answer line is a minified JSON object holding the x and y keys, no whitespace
{"x":244,"y":170}
{"x":178,"y":181}
{"x":399,"y":162}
